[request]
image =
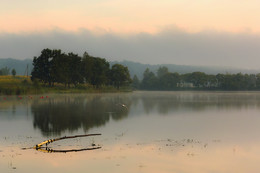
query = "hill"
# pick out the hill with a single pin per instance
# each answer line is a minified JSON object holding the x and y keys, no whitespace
{"x":19,"y":65}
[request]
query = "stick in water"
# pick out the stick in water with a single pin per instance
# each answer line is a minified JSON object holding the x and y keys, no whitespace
{"x":48,"y":150}
{"x":65,"y":137}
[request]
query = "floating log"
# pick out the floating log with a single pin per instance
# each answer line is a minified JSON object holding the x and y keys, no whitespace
{"x":65,"y":137}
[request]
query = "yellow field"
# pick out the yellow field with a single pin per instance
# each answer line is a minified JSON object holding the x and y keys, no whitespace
{"x":21,"y":85}
{"x":13,"y":80}
{"x":15,"y":85}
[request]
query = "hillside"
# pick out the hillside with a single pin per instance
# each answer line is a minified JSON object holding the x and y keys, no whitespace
{"x":19,"y":65}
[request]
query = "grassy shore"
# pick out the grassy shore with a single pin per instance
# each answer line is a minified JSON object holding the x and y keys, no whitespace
{"x":21,"y":85}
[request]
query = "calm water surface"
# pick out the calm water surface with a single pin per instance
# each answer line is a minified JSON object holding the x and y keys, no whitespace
{"x":198,"y":132}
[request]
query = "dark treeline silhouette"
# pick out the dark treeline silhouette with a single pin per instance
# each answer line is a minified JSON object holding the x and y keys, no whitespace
{"x":165,"y":80}
{"x":53,"y":66}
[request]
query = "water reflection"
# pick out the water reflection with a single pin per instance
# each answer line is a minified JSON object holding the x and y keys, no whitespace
{"x":167,"y":102}
{"x":60,"y":113}
{"x":49,"y":150}
{"x":199,"y":132}
{"x":55,"y":115}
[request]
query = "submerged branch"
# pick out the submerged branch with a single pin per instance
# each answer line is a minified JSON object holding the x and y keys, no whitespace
{"x":48,"y":150}
{"x":65,"y":137}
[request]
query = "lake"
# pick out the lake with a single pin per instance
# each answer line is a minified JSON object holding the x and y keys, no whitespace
{"x":147,"y":132}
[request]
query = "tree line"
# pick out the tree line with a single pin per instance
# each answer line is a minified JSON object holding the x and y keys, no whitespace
{"x":54,"y":66}
{"x":6,"y":71}
{"x":165,"y":80}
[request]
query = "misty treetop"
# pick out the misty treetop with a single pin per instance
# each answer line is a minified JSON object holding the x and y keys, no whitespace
{"x":54,"y":66}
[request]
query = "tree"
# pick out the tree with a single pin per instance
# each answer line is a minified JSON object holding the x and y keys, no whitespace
{"x":199,"y":79}
{"x":66,"y":69}
{"x":13,"y":72}
{"x":258,"y":81}
{"x":42,"y":66}
{"x":5,"y":71}
{"x":135,"y":82}
{"x":162,"y":71}
{"x":86,"y":67}
{"x":75,"y":75}
{"x":220,"y":80}
{"x":251,"y":81}
{"x":149,"y":80}
{"x":169,"y":81}
{"x":212,"y":81}
{"x":60,"y":70}
{"x":240,"y":82}
{"x":232,"y":81}
{"x":53,"y":66}
{"x":119,"y":75}
{"x":99,"y":70}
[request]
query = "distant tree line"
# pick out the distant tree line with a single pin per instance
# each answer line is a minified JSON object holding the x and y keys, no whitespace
{"x":54,"y":66}
{"x":165,"y":80}
{"x":6,"y":71}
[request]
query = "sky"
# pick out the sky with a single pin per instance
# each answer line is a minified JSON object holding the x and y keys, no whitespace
{"x":186,"y":32}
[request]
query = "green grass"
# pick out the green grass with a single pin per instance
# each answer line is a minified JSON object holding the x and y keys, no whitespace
{"x":21,"y":85}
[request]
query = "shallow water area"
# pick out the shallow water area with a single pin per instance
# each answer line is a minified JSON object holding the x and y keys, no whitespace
{"x":200,"y":132}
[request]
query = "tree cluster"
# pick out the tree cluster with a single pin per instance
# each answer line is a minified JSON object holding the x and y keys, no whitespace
{"x":54,"y":66}
{"x":165,"y":80}
{"x":4,"y":71}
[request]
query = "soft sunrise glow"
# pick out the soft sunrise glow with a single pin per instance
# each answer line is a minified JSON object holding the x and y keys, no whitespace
{"x":185,"y":32}
{"x":130,"y":16}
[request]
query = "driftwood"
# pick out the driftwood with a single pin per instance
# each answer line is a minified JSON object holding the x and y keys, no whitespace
{"x":65,"y":137}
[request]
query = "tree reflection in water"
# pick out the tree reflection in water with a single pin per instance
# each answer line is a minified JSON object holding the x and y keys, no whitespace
{"x":58,"y":114}
{"x":65,"y":112}
{"x":166,"y":103}
{"x":49,"y":150}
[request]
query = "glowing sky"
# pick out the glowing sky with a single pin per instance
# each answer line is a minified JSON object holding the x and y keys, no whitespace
{"x":129,"y":15}
{"x":181,"y":23}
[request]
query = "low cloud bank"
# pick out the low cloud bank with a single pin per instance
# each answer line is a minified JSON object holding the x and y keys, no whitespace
{"x":171,"y":46}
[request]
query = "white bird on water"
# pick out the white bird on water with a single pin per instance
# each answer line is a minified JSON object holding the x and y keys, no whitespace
{"x":123,"y":105}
